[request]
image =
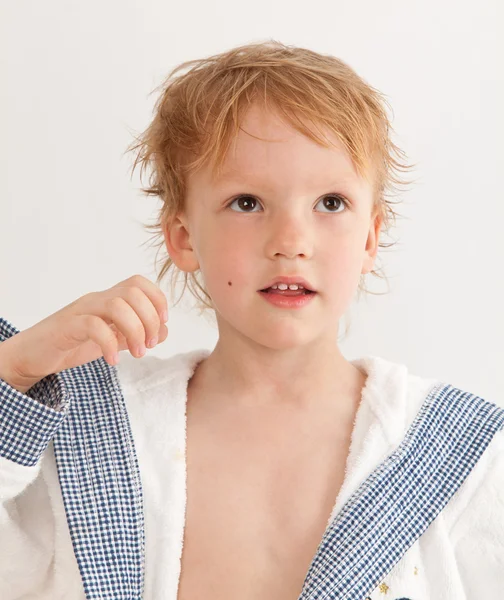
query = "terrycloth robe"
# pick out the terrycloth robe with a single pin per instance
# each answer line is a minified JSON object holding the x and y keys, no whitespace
{"x":93,"y":486}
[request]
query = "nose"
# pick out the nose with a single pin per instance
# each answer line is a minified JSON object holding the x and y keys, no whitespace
{"x":289,"y":235}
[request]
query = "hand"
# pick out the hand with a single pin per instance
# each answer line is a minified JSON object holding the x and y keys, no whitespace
{"x":125,"y":316}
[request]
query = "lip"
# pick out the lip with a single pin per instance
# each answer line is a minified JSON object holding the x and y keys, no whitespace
{"x":291,"y":302}
{"x":288,"y":280}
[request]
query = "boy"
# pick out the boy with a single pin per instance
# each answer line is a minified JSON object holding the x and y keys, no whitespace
{"x":271,"y":467}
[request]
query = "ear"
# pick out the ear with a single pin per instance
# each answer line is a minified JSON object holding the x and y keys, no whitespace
{"x":372,"y":243}
{"x":178,"y":243}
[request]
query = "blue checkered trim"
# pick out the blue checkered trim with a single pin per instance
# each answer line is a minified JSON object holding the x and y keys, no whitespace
{"x":403,"y":495}
{"x":28,"y":425}
{"x":29,"y":422}
{"x":84,"y":411}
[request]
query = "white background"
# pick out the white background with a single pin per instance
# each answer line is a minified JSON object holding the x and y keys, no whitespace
{"x":75,"y":82}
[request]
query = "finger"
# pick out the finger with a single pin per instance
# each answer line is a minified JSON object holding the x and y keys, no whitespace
{"x":152,"y":291}
{"x":123,"y":342}
{"x":92,"y":327}
{"x":146,"y":310}
{"x":128,"y":314}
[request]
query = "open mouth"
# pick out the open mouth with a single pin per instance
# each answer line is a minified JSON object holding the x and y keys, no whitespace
{"x":287,"y":292}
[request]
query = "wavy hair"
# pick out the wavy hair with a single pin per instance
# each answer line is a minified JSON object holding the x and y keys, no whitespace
{"x":198,"y":113}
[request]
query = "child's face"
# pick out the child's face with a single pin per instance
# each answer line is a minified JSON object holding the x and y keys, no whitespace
{"x":286,"y":228}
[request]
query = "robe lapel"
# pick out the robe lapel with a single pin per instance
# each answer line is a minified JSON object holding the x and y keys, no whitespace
{"x":102,"y":493}
{"x":100,"y":483}
{"x":404,"y":494}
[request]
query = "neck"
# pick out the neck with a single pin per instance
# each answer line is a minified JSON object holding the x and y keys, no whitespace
{"x":303,"y":377}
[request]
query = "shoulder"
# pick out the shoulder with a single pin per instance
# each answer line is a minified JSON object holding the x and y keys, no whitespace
{"x":474,"y":520}
{"x":396,"y":395}
{"x":476,"y":434}
{"x":478,"y":505}
{"x":393,"y":394}
{"x":474,"y":515}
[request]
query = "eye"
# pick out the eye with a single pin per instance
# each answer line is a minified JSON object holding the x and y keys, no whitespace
{"x":335,"y":199}
{"x":246,"y":201}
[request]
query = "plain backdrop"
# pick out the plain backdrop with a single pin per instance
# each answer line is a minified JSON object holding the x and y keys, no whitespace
{"x":76,"y":80}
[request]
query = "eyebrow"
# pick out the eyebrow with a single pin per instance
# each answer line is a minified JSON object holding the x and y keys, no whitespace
{"x":344,"y":186}
{"x":234,"y":178}
{"x":228,"y":176}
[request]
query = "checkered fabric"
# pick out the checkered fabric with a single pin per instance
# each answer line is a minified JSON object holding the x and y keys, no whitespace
{"x":403,"y":495}
{"x":83,"y":411}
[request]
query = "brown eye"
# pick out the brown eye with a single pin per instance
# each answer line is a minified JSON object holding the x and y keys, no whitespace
{"x":331,"y":201}
{"x":334,"y":202}
{"x":244,"y":202}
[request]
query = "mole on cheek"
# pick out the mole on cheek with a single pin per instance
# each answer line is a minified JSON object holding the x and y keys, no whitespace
{"x":229,"y":283}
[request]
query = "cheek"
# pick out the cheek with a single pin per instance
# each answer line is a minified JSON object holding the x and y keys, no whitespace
{"x":230,"y":253}
{"x":338,"y":259}
{"x":340,"y":267}
{"x":228,"y":268}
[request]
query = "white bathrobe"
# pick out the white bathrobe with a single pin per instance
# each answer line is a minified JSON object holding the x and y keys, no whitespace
{"x":459,"y":557}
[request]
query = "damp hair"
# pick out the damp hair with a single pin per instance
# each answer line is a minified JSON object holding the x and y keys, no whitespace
{"x":199,"y":110}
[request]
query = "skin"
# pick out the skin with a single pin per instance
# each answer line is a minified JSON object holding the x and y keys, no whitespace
{"x":271,"y":410}
{"x":265,"y":355}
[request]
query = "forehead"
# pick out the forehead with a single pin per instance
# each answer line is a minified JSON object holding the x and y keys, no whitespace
{"x":269,"y":150}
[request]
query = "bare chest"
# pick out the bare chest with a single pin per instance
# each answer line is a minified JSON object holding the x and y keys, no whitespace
{"x":257,"y":507}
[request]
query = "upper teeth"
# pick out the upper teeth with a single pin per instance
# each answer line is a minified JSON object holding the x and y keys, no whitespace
{"x":284,"y":286}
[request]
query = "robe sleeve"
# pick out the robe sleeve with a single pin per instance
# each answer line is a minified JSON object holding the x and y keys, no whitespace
{"x":477,"y":532}
{"x":28,"y":423}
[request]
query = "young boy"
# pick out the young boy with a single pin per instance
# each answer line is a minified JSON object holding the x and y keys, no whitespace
{"x":270,"y":467}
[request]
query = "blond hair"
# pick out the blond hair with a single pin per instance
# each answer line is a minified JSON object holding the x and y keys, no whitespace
{"x":198,"y":113}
